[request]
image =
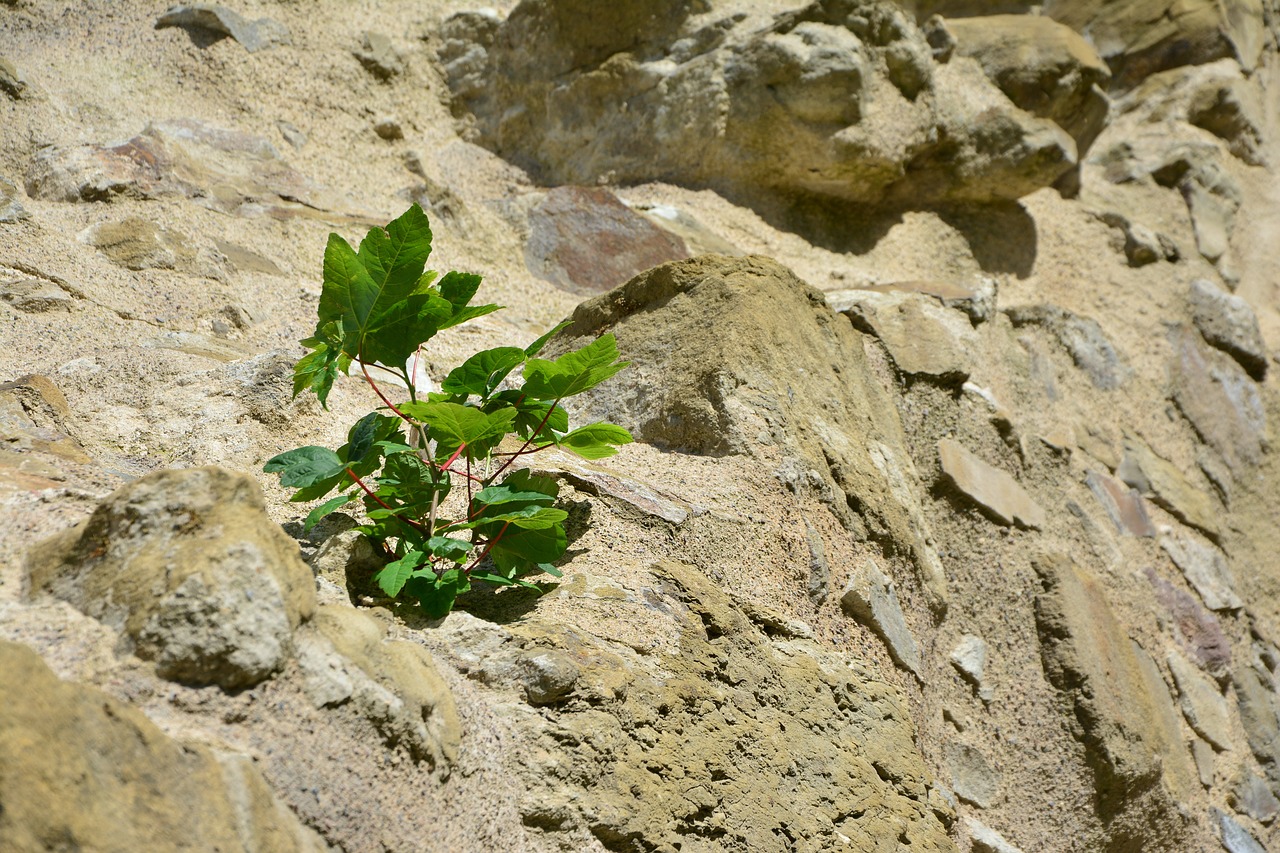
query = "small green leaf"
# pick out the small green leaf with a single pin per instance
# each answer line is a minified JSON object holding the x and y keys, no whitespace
{"x":304,"y":466}
{"x":394,"y":575}
{"x":449,"y":548}
{"x":436,"y":595}
{"x":483,"y":372}
{"x":459,"y":288}
{"x":505,"y":493}
{"x":313,"y":517}
{"x":595,"y":441}
{"x":452,"y":425}
{"x":574,"y":372}
{"x":551,"y":570}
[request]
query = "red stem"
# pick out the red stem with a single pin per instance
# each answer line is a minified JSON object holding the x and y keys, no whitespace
{"x":364,"y":368}
{"x":525,"y":447}
{"x":487,"y":547}
{"x":368,"y":491}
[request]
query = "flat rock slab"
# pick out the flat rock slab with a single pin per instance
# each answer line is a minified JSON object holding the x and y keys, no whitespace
{"x":972,"y":776}
{"x":1082,"y":337}
{"x":1227,"y":322}
{"x":1222,"y":403}
{"x":1202,"y":704}
{"x":253,"y":36}
{"x":1235,"y":837}
{"x":1206,"y":569}
{"x":1196,"y":630}
{"x":872,"y":599}
{"x":1169,"y":488}
{"x":924,"y":338}
{"x":985,"y":839}
{"x":1123,"y":504}
{"x":996,"y":491}
{"x":585,"y":240}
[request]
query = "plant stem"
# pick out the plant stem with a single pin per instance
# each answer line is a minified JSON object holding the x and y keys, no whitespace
{"x":525,"y":447}
{"x":368,"y":491}
{"x":487,"y":547}
{"x":364,"y":368}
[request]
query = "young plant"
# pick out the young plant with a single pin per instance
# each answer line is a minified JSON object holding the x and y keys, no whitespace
{"x":402,"y":460}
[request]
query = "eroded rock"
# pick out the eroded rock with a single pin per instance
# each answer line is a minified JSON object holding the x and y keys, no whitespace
{"x":187,"y":565}
{"x":1206,"y":569}
{"x":924,"y":338}
{"x":994,"y":490}
{"x":872,"y":599}
{"x":1228,"y":322}
{"x":220,"y":22}
{"x":138,"y":244}
{"x":1195,"y":629}
{"x":80,"y":769}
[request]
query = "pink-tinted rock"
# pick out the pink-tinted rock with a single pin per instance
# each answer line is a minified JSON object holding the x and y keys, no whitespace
{"x":994,"y":490}
{"x":1126,"y":508}
{"x":585,"y":240}
{"x":1195,"y":629}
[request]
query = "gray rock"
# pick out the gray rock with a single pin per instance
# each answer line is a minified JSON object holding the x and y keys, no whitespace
{"x":220,"y":21}
{"x":633,"y":494}
{"x":972,"y":777}
{"x":1252,"y":797}
{"x":995,"y":491}
{"x":379,"y":56}
{"x":548,"y":675}
{"x":985,"y":839}
{"x":1206,"y":569}
{"x":292,"y":134}
{"x":12,"y":83}
{"x":1203,"y":754}
{"x":1231,"y":109}
{"x":1222,"y":403}
{"x":11,"y":209}
{"x":189,"y":567}
{"x":969,"y":657}
{"x":1202,"y":704}
{"x":1082,"y":337}
{"x":872,"y":599}
{"x":1234,"y":836}
{"x":1169,"y":489}
{"x":1123,"y":505}
{"x":586,"y":241}
{"x":1259,"y":707}
{"x":818,"y":582}
{"x":1142,"y":246}
{"x":923,"y":338}
{"x":1227,"y":322}
{"x":976,"y":299}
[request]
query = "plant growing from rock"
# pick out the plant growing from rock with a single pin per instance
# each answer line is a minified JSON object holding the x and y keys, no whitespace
{"x":403,"y":460}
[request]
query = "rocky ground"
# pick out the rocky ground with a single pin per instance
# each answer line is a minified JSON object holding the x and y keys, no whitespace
{"x":951,"y":522}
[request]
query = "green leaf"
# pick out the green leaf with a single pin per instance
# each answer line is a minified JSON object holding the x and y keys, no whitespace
{"x":526,"y":480}
{"x":395,"y":257}
{"x":317,"y":370}
{"x":483,"y":372}
{"x":595,"y":441}
{"x":506,"y":493}
{"x":459,"y":287}
{"x":313,"y":517}
{"x":394,"y":575}
{"x":452,"y":425}
{"x":532,"y":413}
{"x":462,"y":315}
{"x":574,"y":372}
{"x":449,"y":548}
{"x":534,"y":545}
{"x":530,"y":516}
{"x":436,"y":594}
{"x":304,"y":466}
{"x":396,"y":333}
{"x":409,"y":479}
{"x":551,"y":570}
{"x":349,"y":292}
{"x":536,"y":347}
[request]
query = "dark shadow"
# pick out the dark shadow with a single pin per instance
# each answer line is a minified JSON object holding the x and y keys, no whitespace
{"x":201,"y":37}
{"x":1002,"y":236}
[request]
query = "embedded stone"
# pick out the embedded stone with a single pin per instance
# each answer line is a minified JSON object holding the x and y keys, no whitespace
{"x":1204,"y":707}
{"x":1125,"y":507}
{"x":872,"y":598}
{"x":221,"y":22}
{"x":923,"y":338}
{"x":1228,"y":322}
{"x":994,"y":490}
{"x":1206,"y":569}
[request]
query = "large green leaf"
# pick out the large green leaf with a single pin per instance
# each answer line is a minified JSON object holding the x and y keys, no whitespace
{"x":304,"y":466}
{"x":395,"y":334}
{"x":452,"y":425}
{"x":534,"y":545}
{"x":395,"y":257}
{"x":574,"y":372}
{"x":394,"y":575}
{"x":595,"y":441}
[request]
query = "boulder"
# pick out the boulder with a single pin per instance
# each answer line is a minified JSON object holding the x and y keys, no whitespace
{"x":738,"y":356}
{"x":824,"y":104}
{"x":1045,"y":68}
{"x":1122,"y":712}
{"x":586,"y":241}
{"x":82,"y":770}
{"x":189,"y":567}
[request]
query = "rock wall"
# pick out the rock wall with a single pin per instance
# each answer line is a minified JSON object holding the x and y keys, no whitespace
{"x":951,"y":522}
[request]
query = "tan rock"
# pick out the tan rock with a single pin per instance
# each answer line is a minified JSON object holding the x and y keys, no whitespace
{"x":1203,"y":705}
{"x":137,"y":244}
{"x":82,"y":770}
{"x":187,"y":565}
{"x":1170,"y":490}
{"x":924,"y":338}
{"x":994,"y":490}
{"x":1206,"y":569}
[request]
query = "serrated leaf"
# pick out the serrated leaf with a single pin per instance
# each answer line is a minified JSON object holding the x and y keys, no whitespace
{"x":534,"y":545}
{"x":317,"y":370}
{"x":314,"y":517}
{"x":536,"y":347}
{"x":395,"y":334}
{"x":394,"y":575}
{"x":304,"y":466}
{"x":574,"y":372}
{"x":595,"y":441}
{"x":452,"y":425}
{"x":395,"y":256}
{"x":551,"y":570}
{"x":483,"y":372}
{"x":470,"y":312}
{"x":506,"y":493}
{"x":531,"y":517}
{"x":449,"y":548}
{"x":459,"y":288}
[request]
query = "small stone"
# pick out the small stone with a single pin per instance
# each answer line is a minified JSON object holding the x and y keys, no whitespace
{"x":1196,"y":630}
{"x":12,"y":82}
{"x":1253,"y":798}
{"x":221,"y":22}
{"x":970,"y":658}
{"x":972,"y":776}
{"x":137,"y":244}
{"x":548,"y":676}
{"x":35,"y":296}
{"x":1082,"y":337}
{"x":1228,"y":322}
{"x":1204,"y":707}
{"x":819,"y":579}
{"x":1206,"y":569}
{"x":379,"y":56}
{"x":1204,"y":758}
{"x":1234,"y":836}
{"x":923,"y":338}
{"x":10,"y":209}
{"x":991,"y":488}
{"x":978,"y":300}
{"x":985,"y":839}
{"x":872,"y":599}
{"x":1124,"y":505}
{"x":1222,"y":403}
{"x":1169,"y":488}
{"x":292,"y":135}
{"x":388,"y":128}
{"x":1259,"y":707}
